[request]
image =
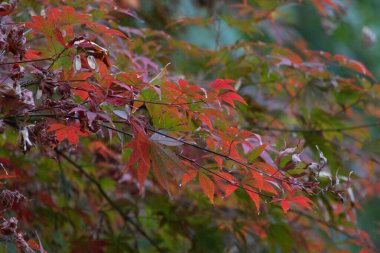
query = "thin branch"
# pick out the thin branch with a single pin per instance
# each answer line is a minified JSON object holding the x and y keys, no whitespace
{"x":39,"y":115}
{"x":126,"y":218}
{"x":26,"y":61}
{"x":68,"y":81}
{"x":117,"y":130}
{"x":56,"y":58}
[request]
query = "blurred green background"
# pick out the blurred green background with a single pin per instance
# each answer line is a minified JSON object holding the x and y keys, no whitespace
{"x":353,"y":33}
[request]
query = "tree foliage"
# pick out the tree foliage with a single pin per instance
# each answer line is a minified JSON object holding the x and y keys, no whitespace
{"x":123,"y":133}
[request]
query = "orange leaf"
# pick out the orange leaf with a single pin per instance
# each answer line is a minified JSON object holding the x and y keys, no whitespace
{"x":107,"y":31}
{"x":359,"y":67}
{"x":54,"y":127}
{"x":286,"y":186}
{"x":230,"y":189}
{"x":285,"y":206}
{"x":259,"y":181}
{"x":222,"y":84}
{"x":207,"y":186}
{"x":265,"y":168}
{"x":32,"y":54}
{"x":67,"y":132}
{"x":188,"y":176}
{"x":268,"y":187}
{"x":302,"y":201}
{"x":206,"y":120}
{"x":59,"y":37}
{"x":230,"y":97}
{"x":219,"y":161}
{"x":139,"y":160}
{"x":253,"y":195}
{"x":227,"y":176}
{"x":33,"y":244}
{"x":72,"y":137}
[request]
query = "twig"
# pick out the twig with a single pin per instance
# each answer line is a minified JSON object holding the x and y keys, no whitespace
{"x":56,"y":58}
{"x":26,"y":61}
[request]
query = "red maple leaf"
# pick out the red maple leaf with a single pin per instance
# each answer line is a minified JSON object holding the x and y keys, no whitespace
{"x":70,"y":133}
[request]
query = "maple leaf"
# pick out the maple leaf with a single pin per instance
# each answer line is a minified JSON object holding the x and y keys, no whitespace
{"x":232,"y":182}
{"x":253,"y":195}
{"x":222,"y":84}
{"x":32,"y":54}
{"x":301,"y":201}
{"x":207,"y":186}
{"x":265,"y":168}
{"x":139,"y":160}
{"x":58,"y":35}
{"x":259,"y":181}
{"x":70,"y":133}
{"x":164,"y":162}
{"x":230,"y":97}
{"x":188,"y":176}
{"x":230,"y":189}
{"x":285,"y":206}
{"x":106,"y":30}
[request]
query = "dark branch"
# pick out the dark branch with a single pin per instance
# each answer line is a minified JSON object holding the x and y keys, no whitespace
{"x":26,"y":61}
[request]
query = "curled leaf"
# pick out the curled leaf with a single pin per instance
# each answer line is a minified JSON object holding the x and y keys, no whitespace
{"x":296,"y":159}
{"x":314,"y":167}
{"x":322,"y":158}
